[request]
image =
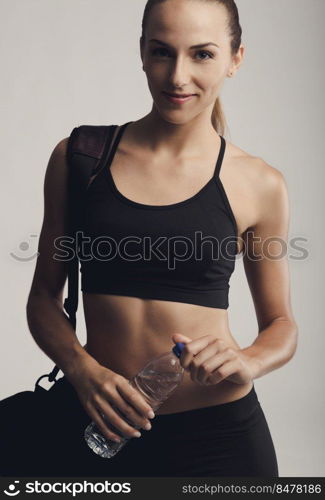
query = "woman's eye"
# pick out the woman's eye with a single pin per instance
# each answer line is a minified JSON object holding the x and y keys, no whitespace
{"x":155,"y":52}
{"x":160,"y":52}
{"x":210,"y":56}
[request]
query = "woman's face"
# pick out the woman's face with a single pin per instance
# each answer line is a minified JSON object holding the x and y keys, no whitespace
{"x":176,"y":66}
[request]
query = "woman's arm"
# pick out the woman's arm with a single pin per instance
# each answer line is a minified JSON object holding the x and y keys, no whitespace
{"x":266,"y":267}
{"x":99,"y":389}
{"x":209,"y":359}
{"x":46,"y":318}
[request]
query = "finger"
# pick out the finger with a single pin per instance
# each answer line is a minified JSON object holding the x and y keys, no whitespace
{"x":130,"y":414}
{"x":206,"y":369}
{"x":179,"y":337}
{"x":193,"y":348}
{"x":224,"y":371}
{"x":133,"y":397}
{"x":115,"y":419}
{"x":201,"y":358}
{"x":101,"y":425}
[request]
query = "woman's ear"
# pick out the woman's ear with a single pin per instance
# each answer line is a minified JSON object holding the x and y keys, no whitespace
{"x":237,"y":60}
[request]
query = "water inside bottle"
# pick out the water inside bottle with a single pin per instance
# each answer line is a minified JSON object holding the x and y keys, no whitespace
{"x":156,"y":387}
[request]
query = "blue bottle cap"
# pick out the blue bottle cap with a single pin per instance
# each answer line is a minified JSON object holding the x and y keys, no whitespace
{"x":177,"y":349}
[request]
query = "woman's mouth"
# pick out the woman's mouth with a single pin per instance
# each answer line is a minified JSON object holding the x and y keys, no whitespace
{"x":178,"y":98}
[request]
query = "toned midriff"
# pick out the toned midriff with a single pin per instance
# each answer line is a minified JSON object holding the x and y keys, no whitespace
{"x":124,"y":333}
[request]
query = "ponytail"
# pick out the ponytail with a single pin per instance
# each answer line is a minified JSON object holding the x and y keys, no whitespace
{"x":218,"y":118}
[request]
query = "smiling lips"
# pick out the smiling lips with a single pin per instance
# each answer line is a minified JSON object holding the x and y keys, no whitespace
{"x":178,"y":95}
{"x":178,"y":98}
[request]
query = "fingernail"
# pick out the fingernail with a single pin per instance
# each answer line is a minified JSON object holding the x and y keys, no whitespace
{"x":147,"y":426}
{"x":137,"y":434}
{"x":151,"y":414}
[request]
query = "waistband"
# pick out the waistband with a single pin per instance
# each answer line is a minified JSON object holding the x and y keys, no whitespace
{"x":237,"y":410}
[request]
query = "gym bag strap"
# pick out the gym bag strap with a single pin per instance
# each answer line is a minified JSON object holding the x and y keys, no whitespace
{"x":22,"y":414}
{"x":87,"y":153}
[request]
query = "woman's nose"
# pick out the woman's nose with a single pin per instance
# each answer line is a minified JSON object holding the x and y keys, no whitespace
{"x":179,"y":73}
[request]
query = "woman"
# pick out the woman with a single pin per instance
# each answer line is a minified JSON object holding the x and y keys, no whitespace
{"x":172,"y":174}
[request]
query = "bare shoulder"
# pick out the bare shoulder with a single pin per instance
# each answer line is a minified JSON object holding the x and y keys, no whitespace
{"x":257,"y":181}
{"x":255,"y":168}
{"x":55,"y":182}
{"x":58,"y":157}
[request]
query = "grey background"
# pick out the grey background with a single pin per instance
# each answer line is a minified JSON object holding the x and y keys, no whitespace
{"x":65,"y":64}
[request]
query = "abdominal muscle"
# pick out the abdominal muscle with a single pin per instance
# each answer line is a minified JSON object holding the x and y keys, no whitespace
{"x":124,"y":333}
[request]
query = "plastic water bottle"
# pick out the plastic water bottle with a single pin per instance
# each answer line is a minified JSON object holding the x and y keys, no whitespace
{"x":156,"y":382}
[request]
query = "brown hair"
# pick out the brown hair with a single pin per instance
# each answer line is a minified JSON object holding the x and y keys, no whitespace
{"x":235,"y":32}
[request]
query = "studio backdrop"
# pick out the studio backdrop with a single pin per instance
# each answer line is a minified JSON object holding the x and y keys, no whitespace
{"x":69,"y":63}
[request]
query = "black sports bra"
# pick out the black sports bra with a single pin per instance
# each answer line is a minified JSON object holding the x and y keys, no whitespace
{"x":182,"y":252}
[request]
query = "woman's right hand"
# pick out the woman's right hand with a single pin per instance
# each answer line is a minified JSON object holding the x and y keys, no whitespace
{"x":99,"y":388}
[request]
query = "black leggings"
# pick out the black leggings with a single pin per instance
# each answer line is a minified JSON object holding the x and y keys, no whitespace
{"x":230,"y":439}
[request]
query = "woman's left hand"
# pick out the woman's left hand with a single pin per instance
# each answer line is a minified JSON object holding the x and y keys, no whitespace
{"x":211,"y":360}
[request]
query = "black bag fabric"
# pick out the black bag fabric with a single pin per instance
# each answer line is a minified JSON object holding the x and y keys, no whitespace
{"x":27,"y":417}
{"x":43,"y":433}
{"x":25,"y":421}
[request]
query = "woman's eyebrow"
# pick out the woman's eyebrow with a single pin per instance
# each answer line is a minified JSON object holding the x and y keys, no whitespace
{"x":198,"y":46}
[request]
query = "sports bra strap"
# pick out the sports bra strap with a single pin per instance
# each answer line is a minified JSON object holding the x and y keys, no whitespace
{"x":220,"y":156}
{"x":115,"y":143}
